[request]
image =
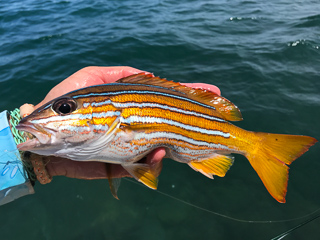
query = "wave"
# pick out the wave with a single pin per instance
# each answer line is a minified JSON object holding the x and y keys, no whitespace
{"x":310,"y":21}
{"x":303,"y":43}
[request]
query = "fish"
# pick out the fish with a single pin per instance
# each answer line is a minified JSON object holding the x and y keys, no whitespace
{"x":122,"y":122}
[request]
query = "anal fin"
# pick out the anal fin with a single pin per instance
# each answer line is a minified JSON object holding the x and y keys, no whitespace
{"x":215,"y":165}
{"x":143,"y":174}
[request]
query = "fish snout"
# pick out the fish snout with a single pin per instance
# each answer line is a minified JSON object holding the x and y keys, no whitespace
{"x":35,"y":130}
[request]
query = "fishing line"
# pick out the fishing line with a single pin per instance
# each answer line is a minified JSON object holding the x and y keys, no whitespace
{"x":232,"y":218}
{"x":283,"y":235}
{"x":223,"y":215}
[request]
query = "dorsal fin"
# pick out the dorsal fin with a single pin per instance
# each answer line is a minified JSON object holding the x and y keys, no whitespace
{"x":227,"y":109}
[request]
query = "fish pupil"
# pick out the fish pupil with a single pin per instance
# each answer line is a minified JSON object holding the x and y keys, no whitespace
{"x":65,"y":108}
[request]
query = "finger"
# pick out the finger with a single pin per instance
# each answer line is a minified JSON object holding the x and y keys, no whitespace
{"x":82,"y":170}
{"x":26,"y":109}
{"x":205,"y":86}
{"x":110,"y":74}
{"x":154,"y":160}
{"x":86,"y":77}
{"x":97,"y":170}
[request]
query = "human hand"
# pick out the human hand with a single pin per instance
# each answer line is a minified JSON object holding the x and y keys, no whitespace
{"x":85,"y":77}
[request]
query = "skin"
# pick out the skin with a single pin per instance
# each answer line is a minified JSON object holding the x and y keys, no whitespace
{"x":90,"y":76}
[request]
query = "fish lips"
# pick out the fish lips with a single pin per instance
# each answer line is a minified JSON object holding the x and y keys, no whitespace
{"x":42,"y":135}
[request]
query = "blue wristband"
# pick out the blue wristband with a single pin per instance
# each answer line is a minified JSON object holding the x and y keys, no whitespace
{"x":14,"y":182}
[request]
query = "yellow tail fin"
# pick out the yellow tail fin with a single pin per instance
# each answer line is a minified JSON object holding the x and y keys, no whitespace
{"x":271,"y":156}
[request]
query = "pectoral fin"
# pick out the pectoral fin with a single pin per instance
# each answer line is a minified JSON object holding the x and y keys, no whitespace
{"x":142,"y":173}
{"x":97,"y":145}
{"x":215,"y":165}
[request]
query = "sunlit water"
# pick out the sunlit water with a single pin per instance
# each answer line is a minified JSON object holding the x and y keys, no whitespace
{"x":265,"y":57}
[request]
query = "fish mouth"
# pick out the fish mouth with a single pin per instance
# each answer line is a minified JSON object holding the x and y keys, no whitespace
{"x":39,"y":136}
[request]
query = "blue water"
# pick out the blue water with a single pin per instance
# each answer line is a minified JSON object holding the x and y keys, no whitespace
{"x":265,"y":57}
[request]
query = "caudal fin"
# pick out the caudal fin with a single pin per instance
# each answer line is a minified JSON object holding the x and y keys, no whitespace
{"x":270,"y":157}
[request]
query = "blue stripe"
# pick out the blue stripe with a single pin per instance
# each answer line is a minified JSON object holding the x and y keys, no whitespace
{"x":165,"y":107}
{"x":106,"y":114}
{"x":61,"y":118}
{"x":147,"y":85}
{"x":142,"y":92}
{"x":138,"y":119}
{"x":152,"y":105}
{"x":133,"y":84}
{"x":179,"y":137}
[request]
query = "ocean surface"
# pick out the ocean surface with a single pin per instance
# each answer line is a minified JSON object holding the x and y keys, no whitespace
{"x":263,"y":55}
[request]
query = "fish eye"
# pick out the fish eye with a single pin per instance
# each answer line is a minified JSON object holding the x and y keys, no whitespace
{"x":64,"y":106}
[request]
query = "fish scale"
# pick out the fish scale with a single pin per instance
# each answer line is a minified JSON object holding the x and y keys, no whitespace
{"x":122,"y":122}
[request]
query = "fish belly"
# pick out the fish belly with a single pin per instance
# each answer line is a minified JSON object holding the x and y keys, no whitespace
{"x":129,"y":147}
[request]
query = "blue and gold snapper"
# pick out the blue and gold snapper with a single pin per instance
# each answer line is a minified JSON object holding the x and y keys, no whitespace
{"x":122,"y":122}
